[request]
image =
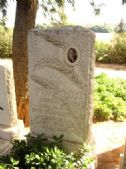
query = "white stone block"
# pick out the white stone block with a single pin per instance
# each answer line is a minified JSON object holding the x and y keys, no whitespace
{"x":60,"y":81}
{"x":8,"y":112}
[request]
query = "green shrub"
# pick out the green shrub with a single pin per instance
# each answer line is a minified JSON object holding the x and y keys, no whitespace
{"x":117,"y":49}
{"x":5,"y":43}
{"x":101,"y":52}
{"x":40,"y":153}
{"x":113,"y":52}
{"x":109,"y":98}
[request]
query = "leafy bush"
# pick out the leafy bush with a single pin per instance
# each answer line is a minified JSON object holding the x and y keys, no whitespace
{"x":5,"y":43}
{"x":40,"y":153}
{"x":117,"y":49}
{"x":113,"y":52}
{"x":109,"y":98}
{"x":101,"y":52}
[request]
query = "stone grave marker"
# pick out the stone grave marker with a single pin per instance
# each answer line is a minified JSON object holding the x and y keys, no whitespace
{"x":60,"y":80}
{"x":8,"y":113}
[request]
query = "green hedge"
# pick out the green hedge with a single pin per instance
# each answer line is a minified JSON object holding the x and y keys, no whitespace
{"x":112,"y":52}
{"x":109,"y":98}
{"x":5,"y":42}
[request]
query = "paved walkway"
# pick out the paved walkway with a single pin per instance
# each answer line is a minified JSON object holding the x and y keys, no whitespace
{"x":113,"y":70}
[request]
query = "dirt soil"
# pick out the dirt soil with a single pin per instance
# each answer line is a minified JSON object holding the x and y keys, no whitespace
{"x":110,"y":136}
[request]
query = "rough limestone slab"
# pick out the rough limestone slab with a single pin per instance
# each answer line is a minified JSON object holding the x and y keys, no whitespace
{"x":5,"y":147}
{"x":61,"y":82}
{"x":8,"y":114}
{"x":7,"y":94}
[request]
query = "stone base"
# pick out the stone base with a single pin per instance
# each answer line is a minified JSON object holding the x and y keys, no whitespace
{"x":71,"y":147}
{"x":5,"y":147}
{"x":8,"y":133}
{"x":14,"y":132}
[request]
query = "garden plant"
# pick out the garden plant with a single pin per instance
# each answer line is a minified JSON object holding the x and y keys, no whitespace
{"x":40,"y":153}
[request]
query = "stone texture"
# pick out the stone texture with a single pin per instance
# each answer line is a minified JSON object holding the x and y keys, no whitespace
{"x":123,"y":161}
{"x":60,"y":80}
{"x":5,"y":147}
{"x":8,"y":112}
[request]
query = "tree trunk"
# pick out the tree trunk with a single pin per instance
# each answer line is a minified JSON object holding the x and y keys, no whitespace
{"x":24,"y":21}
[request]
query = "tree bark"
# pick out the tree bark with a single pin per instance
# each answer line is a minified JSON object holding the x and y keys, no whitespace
{"x":24,"y":21}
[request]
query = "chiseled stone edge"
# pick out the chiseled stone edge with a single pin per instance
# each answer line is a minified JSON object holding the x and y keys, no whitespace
{"x":68,"y":29}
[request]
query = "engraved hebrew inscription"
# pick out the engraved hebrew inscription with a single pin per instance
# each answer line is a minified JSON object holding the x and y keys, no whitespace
{"x":60,"y":75}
